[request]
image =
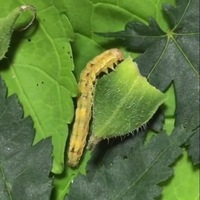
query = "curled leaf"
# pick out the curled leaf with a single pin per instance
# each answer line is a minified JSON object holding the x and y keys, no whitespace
{"x":7,"y":26}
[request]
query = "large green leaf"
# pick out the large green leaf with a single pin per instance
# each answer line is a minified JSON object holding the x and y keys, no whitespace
{"x":38,"y":68}
{"x":104,"y":16}
{"x":24,"y":169}
{"x":185,"y":184}
{"x":178,"y":63}
{"x":130,"y":163}
{"x":139,"y":168}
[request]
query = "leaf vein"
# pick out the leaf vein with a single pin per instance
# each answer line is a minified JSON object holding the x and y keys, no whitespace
{"x":185,"y":56}
{"x":159,"y":59}
{"x":143,"y":174}
{"x":4,"y":180}
{"x":182,"y":16}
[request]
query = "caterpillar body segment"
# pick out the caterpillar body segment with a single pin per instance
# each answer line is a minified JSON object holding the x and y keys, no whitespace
{"x":101,"y":63}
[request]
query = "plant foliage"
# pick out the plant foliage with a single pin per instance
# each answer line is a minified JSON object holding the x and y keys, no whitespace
{"x":24,"y":169}
{"x":38,"y":68}
{"x":168,"y":58}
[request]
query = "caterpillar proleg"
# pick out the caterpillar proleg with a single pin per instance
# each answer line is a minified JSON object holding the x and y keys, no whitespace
{"x":101,"y":63}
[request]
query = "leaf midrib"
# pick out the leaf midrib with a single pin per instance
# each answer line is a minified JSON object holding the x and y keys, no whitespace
{"x":119,"y":105}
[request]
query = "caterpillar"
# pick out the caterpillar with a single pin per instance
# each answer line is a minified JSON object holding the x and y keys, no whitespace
{"x":101,"y":63}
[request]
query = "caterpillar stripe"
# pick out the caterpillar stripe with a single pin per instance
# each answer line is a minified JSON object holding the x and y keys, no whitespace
{"x":100,"y":63}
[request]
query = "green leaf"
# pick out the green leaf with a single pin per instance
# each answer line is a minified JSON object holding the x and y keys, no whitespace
{"x":135,"y":165}
{"x":38,"y":69}
{"x":185,"y":183}
{"x":137,"y":35}
{"x":104,"y":16}
{"x":118,"y":110}
{"x":24,"y":169}
{"x":7,"y":26}
{"x":174,"y":61}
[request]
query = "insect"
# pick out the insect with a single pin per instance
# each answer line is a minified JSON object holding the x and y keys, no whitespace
{"x":101,"y":63}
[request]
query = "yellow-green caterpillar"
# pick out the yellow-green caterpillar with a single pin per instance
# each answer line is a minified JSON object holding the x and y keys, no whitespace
{"x":101,"y":63}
